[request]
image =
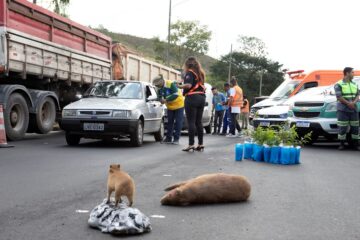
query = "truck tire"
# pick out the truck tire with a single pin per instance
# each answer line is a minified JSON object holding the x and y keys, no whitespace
{"x":159,"y":135}
{"x":16,"y":117}
{"x":137,"y":137}
{"x":72,"y":139}
{"x":45,"y":117}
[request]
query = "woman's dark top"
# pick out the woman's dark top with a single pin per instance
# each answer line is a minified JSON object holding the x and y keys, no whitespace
{"x":190,"y":78}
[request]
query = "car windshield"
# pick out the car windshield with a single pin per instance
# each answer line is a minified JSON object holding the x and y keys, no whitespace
{"x":285,"y":89}
{"x":122,"y":90}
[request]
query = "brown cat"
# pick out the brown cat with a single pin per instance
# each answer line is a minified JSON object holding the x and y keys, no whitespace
{"x":120,"y":182}
{"x":208,"y":188}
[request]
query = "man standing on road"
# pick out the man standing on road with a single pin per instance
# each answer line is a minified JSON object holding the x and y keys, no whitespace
{"x":347,"y":94}
{"x":170,"y":95}
{"x":244,"y":115}
{"x":227,"y":117}
{"x":235,"y":103}
{"x":218,"y":105}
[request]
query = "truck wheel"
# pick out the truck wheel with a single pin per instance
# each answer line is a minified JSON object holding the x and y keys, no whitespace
{"x":45,"y":117}
{"x":72,"y":139}
{"x":137,"y":137}
{"x":16,"y":117}
{"x":159,"y":135}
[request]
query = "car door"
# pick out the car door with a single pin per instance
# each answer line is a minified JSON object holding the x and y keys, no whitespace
{"x":153,"y":109}
{"x":157,"y":109}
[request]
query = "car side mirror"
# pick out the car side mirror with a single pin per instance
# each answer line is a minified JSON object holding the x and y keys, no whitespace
{"x":151,"y":98}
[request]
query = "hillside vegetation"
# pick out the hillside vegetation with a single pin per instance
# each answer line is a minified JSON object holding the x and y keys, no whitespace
{"x":145,"y":47}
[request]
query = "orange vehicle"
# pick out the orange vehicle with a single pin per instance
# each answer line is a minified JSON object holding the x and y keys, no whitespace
{"x":317,"y":78}
{"x":297,"y":81}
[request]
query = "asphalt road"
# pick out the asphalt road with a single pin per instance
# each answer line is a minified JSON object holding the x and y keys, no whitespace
{"x":43,"y":183}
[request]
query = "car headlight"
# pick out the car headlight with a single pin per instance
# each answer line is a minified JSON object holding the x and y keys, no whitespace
{"x":69,"y":113}
{"x":290,"y":113}
{"x":122,"y":114}
{"x":283,"y":115}
{"x":331,"y":107}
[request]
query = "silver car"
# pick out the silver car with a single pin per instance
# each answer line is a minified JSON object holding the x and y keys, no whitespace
{"x":113,"y":109}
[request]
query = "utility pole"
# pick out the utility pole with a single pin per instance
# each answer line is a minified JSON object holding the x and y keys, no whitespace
{"x":229,"y":76}
{"x":261,"y":76}
{"x":168,"y":47}
{"x":261,"y":72}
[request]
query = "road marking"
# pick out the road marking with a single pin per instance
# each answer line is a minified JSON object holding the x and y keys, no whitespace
{"x":166,"y":175}
{"x":82,"y":211}
{"x":157,"y":216}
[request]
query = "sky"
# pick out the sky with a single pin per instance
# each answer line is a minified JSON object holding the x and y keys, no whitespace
{"x":306,"y":34}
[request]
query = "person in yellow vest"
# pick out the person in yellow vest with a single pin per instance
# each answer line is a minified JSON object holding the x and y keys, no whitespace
{"x":235,"y":103}
{"x":244,"y":115}
{"x":347,"y":94}
{"x":170,"y":95}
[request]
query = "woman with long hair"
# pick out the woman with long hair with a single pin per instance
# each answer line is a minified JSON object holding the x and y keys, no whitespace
{"x":194,"y":92}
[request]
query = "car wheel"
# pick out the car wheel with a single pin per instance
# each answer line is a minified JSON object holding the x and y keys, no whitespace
{"x":16,"y":117}
{"x":137,"y":137}
{"x":159,"y":135}
{"x":72,"y":139}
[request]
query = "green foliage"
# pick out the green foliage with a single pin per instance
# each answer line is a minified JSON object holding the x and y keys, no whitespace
{"x":187,"y":38}
{"x":59,"y":6}
{"x":279,"y":135}
{"x":148,"y":48}
{"x":252,"y":46}
{"x":247,"y":68}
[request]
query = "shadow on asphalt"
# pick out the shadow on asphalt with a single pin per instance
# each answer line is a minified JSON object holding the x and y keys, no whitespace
{"x":212,"y":205}
{"x":123,"y":143}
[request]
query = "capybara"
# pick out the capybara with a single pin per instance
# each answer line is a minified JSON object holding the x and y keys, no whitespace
{"x":120,"y":182}
{"x":208,"y":188}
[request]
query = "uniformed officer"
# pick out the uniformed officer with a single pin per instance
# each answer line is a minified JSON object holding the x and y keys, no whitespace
{"x":172,"y":97}
{"x":347,"y":94}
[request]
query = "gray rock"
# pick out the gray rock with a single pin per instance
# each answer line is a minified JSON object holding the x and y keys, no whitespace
{"x":122,"y":220}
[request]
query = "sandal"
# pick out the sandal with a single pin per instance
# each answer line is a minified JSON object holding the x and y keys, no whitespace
{"x":189,"y":148}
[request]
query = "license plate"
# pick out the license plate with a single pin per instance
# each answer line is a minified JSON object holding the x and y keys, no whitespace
{"x":93,"y":127}
{"x":264,"y":124}
{"x":303,"y":124}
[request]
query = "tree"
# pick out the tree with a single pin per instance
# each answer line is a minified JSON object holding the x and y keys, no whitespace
{"x":59,"y":6}
{"x":252,"y":46}
{"x":246,"y":69}
{"x":186,"y":38}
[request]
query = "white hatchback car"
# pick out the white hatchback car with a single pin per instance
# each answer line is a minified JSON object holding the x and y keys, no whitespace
{"x":112,"y":109}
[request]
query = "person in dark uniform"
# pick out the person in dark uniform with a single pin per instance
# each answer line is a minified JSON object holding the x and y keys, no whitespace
{"x":347,"y":94}
{"x":194,"y":92}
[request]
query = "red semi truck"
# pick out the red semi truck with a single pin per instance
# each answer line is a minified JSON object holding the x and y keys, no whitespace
{"x":47,"y":60}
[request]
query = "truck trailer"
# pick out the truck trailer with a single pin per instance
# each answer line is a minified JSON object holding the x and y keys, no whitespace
{"x":47,"y":61}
